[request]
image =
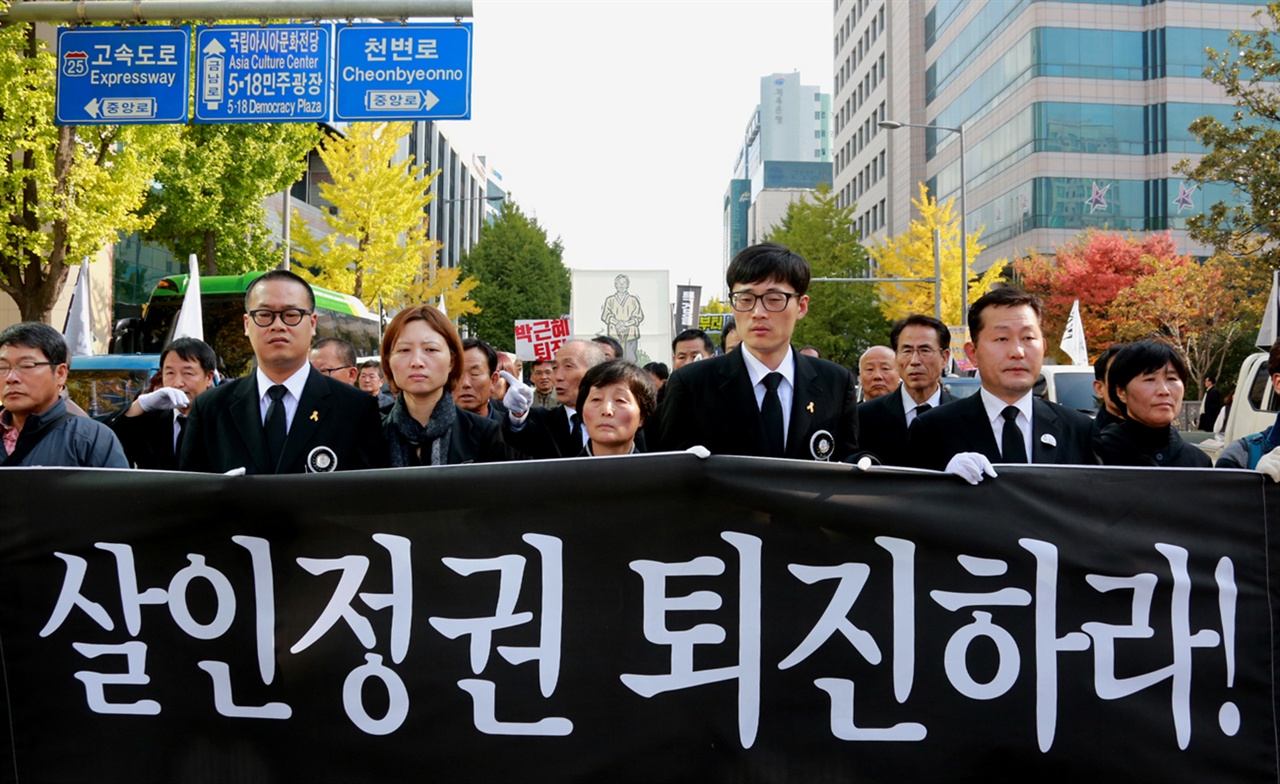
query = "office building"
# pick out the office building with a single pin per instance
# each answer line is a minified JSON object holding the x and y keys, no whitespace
{"x":785,"y":152}
{"x":1074,"y":113}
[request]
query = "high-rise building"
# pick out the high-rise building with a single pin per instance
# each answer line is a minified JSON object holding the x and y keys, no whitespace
{"x":784,"y":153}
{"x":1074,"y":113}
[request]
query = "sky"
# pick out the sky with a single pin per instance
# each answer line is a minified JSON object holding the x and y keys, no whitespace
{"x":616,"y":123}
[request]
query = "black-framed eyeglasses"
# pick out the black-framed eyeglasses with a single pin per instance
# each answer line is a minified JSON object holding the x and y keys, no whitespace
{"x":291,"y":317}
{"x":774,"y":301}
{"x":24,"y":366}
{"x":332,"y":370}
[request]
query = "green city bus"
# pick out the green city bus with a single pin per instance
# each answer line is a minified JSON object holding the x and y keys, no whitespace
{"x":222,"y":303}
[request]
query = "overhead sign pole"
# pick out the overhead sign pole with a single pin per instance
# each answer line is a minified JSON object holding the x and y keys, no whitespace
{"x":138,"y":11}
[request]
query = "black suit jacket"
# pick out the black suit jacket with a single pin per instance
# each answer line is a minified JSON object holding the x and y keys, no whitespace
{"x":938,"y":435}
{"x":711,"y":403}
{"x":883,"y":427}
{"x":224,"y":430}
{"x":546,"y":434}
{"x":147,"y":439}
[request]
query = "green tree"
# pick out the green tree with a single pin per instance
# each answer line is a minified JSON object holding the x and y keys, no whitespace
{"x":67,"y":191}
{"x":844,"y":318}
{"x":211,"y":190}
{"x":910,"y":255}
{"x":521,"y":276}
{"x":1245,"y":152}
{"x":379,"y":236}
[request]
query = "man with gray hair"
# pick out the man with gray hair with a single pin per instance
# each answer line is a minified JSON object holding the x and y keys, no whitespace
{"x":542,"y":433}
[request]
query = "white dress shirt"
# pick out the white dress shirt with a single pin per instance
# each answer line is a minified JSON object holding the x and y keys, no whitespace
{"x":786,"y":390}
{"x":995,"y":408}
{"x":909,"y":405}
{"x":293,"y":384}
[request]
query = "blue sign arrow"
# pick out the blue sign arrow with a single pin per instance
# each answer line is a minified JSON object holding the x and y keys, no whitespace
{"x":116,"y":76}
{"x":403,"y":72}
{"x":276,"y":73}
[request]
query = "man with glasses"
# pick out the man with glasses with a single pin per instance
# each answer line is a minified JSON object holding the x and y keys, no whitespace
{"x":921,"y":348}
{"x":336,"y":358}
{"x":286,"y":418}
{"x":36,"y":429}
{"x":767,"y":399}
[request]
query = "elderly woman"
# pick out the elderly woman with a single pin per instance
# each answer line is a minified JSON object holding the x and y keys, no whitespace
{"x":1146,"y":382}
{"x":615,"y":399}
{"x":422,"y":359}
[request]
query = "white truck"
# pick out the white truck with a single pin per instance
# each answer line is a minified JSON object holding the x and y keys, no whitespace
{"x":1254,"y":408}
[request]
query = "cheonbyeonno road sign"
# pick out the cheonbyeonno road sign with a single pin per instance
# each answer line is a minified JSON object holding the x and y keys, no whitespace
{"x":403,"y":72}
{"x":110,"y":75}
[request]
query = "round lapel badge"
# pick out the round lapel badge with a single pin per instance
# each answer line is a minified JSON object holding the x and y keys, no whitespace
{"x":321,"y":460}
{"x":822,"y":445}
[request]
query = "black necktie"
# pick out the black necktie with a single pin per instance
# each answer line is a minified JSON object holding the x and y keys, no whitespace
{"x":771,"y":415}
{"x":182,"y":428}
{"x":1012,"y":448}
{"x":923,"y":407}
{"x":576,"y":432}
{"x":275,"y":425}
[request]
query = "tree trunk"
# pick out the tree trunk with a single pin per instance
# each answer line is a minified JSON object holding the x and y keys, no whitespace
{"x":210,"y":252}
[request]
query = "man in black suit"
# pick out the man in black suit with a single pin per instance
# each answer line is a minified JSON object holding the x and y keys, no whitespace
{"x":287,"y":418}
{"x":922,"y":348}
{"x":1004,"y":422}
{"x":151,"y":428}
{"x":766,"y":400}
{"x":543,"y":433}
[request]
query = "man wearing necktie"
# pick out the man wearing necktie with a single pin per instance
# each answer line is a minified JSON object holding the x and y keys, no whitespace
{"x":545,"y":433}
{"x":1004,"y":422}
{"x":286,"y":418}
{"x":766,"y":400}
{"x":921,"y":350}
{"x":151,"y":428}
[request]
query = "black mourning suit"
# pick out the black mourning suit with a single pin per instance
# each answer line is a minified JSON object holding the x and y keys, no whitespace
{"x":225,"y":432}
{"x":712,"y":403}
{"x":147,"y":439}
{"x":883,"y":426}
{"x":1058,"y":434}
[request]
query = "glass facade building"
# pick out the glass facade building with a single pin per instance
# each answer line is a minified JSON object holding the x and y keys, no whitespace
{"x":1074,"y":113}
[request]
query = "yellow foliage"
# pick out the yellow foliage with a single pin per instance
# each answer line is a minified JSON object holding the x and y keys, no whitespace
{"x":910,"y":255}
{"x":716,"y":305}
{"x":431,"y":280}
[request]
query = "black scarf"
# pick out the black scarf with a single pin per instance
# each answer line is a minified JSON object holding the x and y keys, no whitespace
{"x":409,"y":441}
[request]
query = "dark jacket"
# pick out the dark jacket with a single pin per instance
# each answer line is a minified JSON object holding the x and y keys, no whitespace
{"x":712,"y":404}
{"x":882,"y":427}
{"x":147,"y":439}
{"x":1129,"y":443}
{"x":1058,"y":435}
{"x":546,"y":434}
{"x":224,"y":430}
{"x":472,"y":439}
{"x":67,"y":441}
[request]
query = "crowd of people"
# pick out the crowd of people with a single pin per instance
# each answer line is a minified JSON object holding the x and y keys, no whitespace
{"x":433,"y":398}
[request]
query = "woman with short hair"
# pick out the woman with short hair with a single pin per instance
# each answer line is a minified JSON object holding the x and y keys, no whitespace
{"x":422,"y":360}
{"x":615,"y":399}
{"x":1146,"y":382}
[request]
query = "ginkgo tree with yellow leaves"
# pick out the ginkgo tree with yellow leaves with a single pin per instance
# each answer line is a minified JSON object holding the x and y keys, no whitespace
{"x":378,"y":248}
{"x":910,"y":255}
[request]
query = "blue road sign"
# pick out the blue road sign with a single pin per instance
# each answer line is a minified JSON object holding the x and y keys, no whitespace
{"x":276,"y":73}
{"x":115,"y":76}
{"x":403,"y":72}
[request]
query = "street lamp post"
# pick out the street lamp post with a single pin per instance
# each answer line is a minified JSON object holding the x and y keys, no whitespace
{"x":892,"y":125}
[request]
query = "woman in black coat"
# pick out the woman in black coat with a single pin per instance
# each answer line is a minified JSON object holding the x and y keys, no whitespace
{"x":1146,"y":382}
{"x":422,"y":360}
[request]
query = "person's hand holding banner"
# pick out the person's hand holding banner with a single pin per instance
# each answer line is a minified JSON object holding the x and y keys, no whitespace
{"x":164,"y":399}
{"x":970,"y":466}
{"x":519,"y":396}
{"x":1269,"y":464}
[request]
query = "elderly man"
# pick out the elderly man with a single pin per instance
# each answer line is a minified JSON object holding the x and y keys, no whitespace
{"x":151,"y":428}
{"x":691,"y":345}
{"x":544,"y":385}
{"x":336,"y":358}
{"x":474,"y":390}
{"x":1005,"y":422}
{"x":36,"y":429}
{"x":877,"y":372}
{"x":542,"y":433}
{"x":922,"y":347}
{"x":286,"y":418}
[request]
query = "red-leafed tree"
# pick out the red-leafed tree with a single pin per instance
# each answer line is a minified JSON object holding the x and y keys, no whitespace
{"x":1094,"y":268}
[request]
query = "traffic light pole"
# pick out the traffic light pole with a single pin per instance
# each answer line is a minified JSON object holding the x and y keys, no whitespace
{"x":139,"y":11}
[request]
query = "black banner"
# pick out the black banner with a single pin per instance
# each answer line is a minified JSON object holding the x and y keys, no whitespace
{"x":649,"y":618}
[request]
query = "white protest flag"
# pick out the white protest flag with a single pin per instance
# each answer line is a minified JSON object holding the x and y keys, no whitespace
{"x":1073,"y":338}
{"x":1270,"y":328}
{"x":79,"y":329}
{"x":190,"y":322}
{"x":440,"y":306}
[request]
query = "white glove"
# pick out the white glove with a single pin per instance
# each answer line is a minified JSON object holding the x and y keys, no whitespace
{"x":970,"y":466}
{"x":519,"y":396}
{"x":164,"y":399}
{"x":1270,"y":464}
